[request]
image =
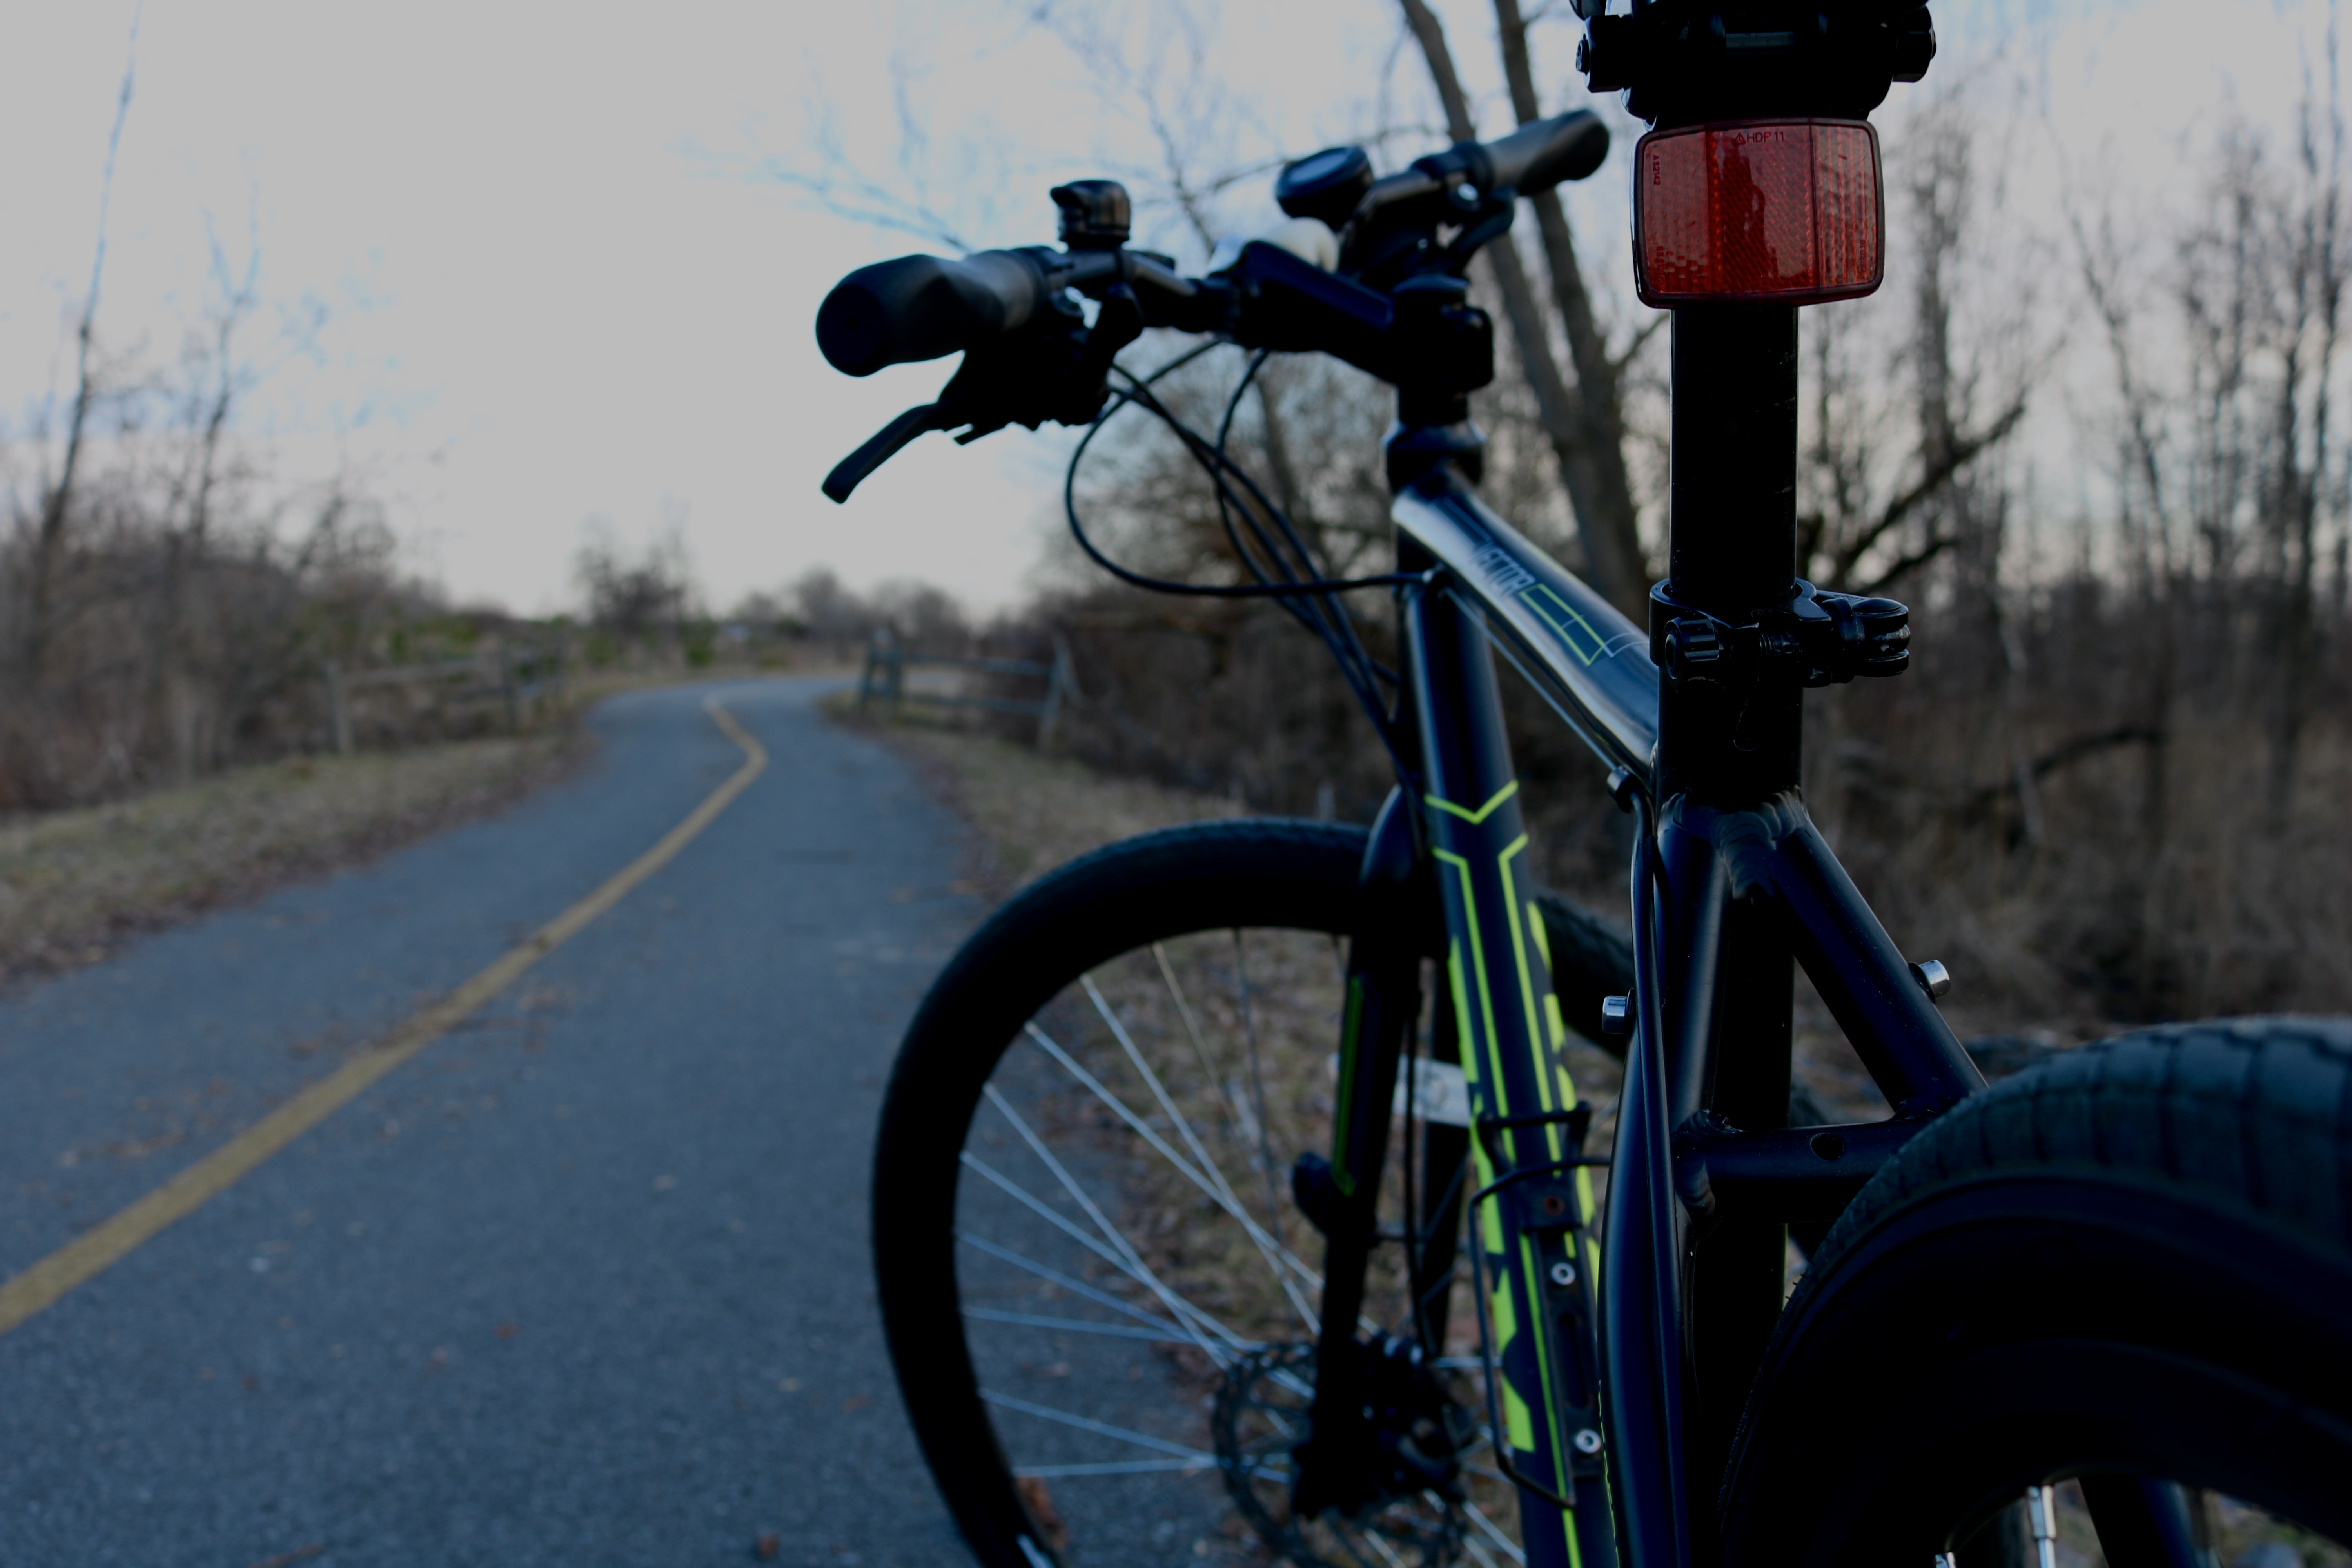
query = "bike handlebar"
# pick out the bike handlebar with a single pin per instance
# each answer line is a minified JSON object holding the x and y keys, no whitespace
{"x":1531,"y":160}
{"x":915,"y":308}
{"x":1393,"y":307}
{"x":925,"y":307}
{"x":918,"y":308}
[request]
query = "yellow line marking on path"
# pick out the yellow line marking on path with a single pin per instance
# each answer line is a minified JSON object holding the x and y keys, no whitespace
{"x":92,"y":1253}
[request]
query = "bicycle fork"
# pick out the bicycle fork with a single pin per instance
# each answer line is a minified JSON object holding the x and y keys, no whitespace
{"x":1529,"y":1194}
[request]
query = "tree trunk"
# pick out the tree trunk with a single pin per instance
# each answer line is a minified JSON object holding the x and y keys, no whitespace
{"x":56,"y":506}
{"x":1611,"y":566}
{"x":1598,"y":411}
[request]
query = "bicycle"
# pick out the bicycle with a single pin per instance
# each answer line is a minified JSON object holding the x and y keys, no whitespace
{"x":2126,"y":1267}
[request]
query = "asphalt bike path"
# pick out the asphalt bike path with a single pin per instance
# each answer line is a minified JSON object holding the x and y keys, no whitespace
{"x":584,"y":1279}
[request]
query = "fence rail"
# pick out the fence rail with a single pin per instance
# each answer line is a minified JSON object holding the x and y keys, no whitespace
{"x":518,"y":677}
{"x":885,"y":677}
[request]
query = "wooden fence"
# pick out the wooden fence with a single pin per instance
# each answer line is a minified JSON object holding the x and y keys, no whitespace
{"x":518,"y":677}
{"x":887,"y":662}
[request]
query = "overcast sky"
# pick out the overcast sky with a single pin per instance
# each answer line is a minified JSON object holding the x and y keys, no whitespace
{"x":558,"y":288}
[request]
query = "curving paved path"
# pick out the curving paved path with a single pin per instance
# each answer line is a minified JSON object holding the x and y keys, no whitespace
{"x":586,"y":1282}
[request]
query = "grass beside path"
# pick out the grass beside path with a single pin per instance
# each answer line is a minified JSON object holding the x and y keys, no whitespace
{"x":1035,"y":811}
{"x":72,"y":883}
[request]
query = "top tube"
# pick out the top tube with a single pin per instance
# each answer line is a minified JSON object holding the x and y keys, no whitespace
{"x":1587,"y":660}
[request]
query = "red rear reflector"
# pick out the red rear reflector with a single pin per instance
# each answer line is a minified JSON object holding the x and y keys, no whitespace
{"x":1782,"y":210}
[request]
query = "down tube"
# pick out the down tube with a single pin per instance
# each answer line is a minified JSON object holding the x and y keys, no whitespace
{"x":1499,"y":968}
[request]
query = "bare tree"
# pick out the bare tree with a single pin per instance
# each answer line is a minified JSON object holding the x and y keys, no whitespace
{"x":2229,"y":470}
{"x":1883,"y":495}
{"x":1585,"y":425}
{"x":56,"y":505}
{"x":640,"y":599}
{"x":1599,"y":410}
{"x":2307,"y":233}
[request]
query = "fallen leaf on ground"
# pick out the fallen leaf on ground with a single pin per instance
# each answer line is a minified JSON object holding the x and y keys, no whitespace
{"x":285,"y":1559}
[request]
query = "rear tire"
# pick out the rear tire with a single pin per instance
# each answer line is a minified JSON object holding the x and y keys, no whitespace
{"x":2134,"y":1260}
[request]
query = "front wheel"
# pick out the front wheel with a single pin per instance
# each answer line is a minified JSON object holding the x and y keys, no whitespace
{"x":1099,"y":1294}
{"x":2134,"y":1262}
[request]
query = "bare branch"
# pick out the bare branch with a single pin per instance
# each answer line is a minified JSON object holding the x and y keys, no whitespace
{"x":1957,"y":454}
{"x":1904,"y":565}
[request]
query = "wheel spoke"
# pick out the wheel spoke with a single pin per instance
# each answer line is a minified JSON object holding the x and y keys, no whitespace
{"x":1120,"y":1107}
{"x":1257,"y":1073}
{"x":1061,"y":1222}
{"x":1182,"y":1311}
{"x":1276,"y":1255}
{"x":1145,"y":1131}
{"x":1246,"y":1127}
{"x":1067,"y":1283}
{"x":1116,"y":1468}
{"x":1283,"y":1432}
{"x":1233,"y":1112}
{"x":1171,"y":1335}
{"x":1100,"y":1428}
{"x":1495,"y":1532}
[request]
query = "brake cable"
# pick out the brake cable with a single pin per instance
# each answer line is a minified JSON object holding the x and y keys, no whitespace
{"x":1210,"y":459}
{"x":1347,"y":654}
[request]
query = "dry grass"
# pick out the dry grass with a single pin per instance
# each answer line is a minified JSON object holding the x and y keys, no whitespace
{"x":1034,"y":812}
{"x":72,"y":882}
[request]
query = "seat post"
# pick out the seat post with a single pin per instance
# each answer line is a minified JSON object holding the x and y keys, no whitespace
{"x":1732,"y":549}
{"x":1731,"y":543}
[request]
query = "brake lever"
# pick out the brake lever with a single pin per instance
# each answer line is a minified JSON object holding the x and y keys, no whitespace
{"x":886,"y":443}
{"x":1008,"y":382}
{"x":1117,"y":324}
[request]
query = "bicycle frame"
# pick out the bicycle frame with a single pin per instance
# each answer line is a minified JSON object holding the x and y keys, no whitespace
{"x":1731,"y":882}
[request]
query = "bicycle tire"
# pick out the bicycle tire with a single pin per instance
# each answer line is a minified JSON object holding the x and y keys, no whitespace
{"x":955,"y":1068}
{"x":2133,"y":1260}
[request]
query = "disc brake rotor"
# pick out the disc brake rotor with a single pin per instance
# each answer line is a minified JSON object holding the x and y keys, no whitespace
{"x":1261,"y":1415}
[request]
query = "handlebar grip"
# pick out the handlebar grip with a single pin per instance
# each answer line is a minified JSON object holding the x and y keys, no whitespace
{"x":924,"y":307}
{"x":1541,"y":154}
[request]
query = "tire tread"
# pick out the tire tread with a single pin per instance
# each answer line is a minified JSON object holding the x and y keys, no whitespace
{"x":2179,"y":1194}
{"x":2255,"y":1113}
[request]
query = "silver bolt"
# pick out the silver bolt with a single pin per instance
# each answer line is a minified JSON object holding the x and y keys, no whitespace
{"x":1563,"y":1273}
{"x":1616,"y":1014}
{"x":1586,"y":1441}
{"x":1933,"y":977}
{"x":2041,"y":1519}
